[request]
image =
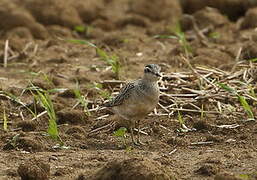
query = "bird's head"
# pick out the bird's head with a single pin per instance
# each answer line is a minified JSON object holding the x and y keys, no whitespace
{"x":152,"y":72}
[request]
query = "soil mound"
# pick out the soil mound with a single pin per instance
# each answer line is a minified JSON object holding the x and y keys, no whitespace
{"x":232,"y":8}
{"x":12,"y":16}
{"x":53,"y":12}
{"x":134,"y":169}
{"x":152,"y":10}
{"x":34,"y":170}
{"x":250,"y":20}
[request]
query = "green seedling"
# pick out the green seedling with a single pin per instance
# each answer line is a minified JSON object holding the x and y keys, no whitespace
{"x":183,"y":128}
{"x":121,"y":134}
{"x":47,"y":79}
{"x":83,"y":42}
{"x":13,"y":142}
{"x":16,"y":100}
{"x":30,"y":73}
{"x":180,"y":119}
{"x":253,"y":60}
{"x":105,"y":94}
{"x":241,"y":99}
{"x":182,"y":39}
{"x":111,"y":60}
{"x":83,"y":29}
{"x":180,"y":36}
{"x":5,"y":121}
{"x":99,"y":87}
{"x":214,"y":35}
{"x":251,"y":91}
{"x":80,"y":29}
{"x":227,"y":88}
{"x":81,"y":100}
{"x":244,"y":176}
{"x":246,"y":107}
{"x":247,"y":176}
{"x":39,"y":74}
{"x":43,"y":97}
{"x":35,"y":89}
{"x":125,"y":40}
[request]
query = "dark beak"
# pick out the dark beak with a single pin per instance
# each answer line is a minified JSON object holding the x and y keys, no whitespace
{"x":158,"y":74}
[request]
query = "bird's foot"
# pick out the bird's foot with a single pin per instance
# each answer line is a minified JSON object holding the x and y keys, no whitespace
{"x":136,"y":143}
{"x":140,"y":142}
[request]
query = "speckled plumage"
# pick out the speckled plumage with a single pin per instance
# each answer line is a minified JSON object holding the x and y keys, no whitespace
{"x":138,"y":98}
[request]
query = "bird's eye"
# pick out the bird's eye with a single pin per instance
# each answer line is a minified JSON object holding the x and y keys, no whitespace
{"x":147,"y":70}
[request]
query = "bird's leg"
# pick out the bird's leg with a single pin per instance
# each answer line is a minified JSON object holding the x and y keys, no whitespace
{"x":138,"y":133}
{"x":132,"y":136}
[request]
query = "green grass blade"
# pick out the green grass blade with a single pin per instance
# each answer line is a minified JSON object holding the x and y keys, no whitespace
{"x":202,"y":113}
{"x":226,"y":87}
{"x":81,"y":42}
{"x":57,"y":90}
{"x":214,"y":35}
{"x":113,"y":61}
{"x":80,"y":29}
{"x":251,"y":92}
{"x":102,"y":54}
{"x":53,"y":130}
{"x":177,"y":30}
{"x":5,"y":126}
{"x":17,"y":100}
{"x":253,"y":60}
{"x":82,"y":100}
{"x":120,"y":132}
{"x":244,"y":176}
{"x":246,"y":106}
{"x":180,"y":118}
{"x":48,"y":105}
{"x":165,"y":37}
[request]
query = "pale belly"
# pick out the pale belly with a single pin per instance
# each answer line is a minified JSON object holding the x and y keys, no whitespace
{"x":136,"y":109}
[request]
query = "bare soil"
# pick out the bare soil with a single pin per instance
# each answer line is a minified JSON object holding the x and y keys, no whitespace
{"x":39,"y":53}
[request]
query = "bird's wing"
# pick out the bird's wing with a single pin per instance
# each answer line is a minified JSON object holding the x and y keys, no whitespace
{"x":122,"y":96}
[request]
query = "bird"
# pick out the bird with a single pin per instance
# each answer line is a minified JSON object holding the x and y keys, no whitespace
{"x":137,"y":99}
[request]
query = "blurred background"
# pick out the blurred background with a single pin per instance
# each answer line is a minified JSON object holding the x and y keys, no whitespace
{"x":75,"y":54}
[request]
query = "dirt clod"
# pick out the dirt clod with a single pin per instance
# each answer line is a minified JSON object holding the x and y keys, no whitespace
{"x":201,"y":125}
{"x":210,"y":16}
{"x":226,"y":176}
{"x":67,"y":94}
{"x":133,"y":169}
{"x":207,"y":170}
{"x":250,"y":50}
{"x":214,"y":57}
{"x":60,"y":13}
{"x":75,"y":129}
{"x":27,"y":125}
{"x":34,"y":170}
{"x":62,"y":171}
{"x":29,"y":144}
{"x":250,"y":20}
{"x":12,"y":16}
{"x":152,"y":10}
{"x":71,"y":117}
{"x":231,"y":8}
